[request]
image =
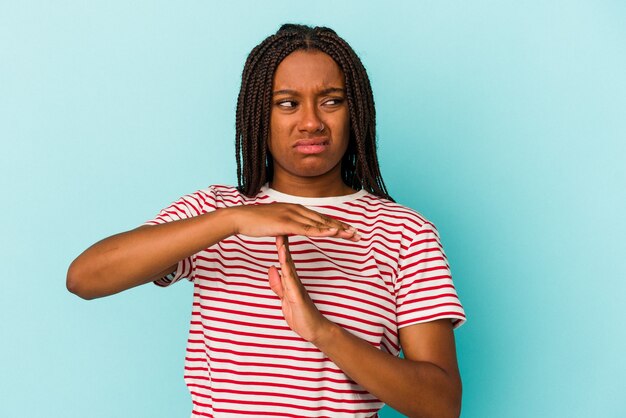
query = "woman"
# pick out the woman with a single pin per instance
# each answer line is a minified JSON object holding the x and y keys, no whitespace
{"x":318,"y":334}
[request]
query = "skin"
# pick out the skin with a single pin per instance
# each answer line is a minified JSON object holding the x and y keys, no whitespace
{"x":424,"y":384}
{"x":309,"y":102}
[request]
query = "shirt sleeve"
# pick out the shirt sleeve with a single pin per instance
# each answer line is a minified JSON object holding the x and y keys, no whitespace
{"x":188,"y":206}
{"x":424,"y":288}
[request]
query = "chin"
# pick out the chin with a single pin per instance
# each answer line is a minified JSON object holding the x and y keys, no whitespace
{"x":311,"y":171}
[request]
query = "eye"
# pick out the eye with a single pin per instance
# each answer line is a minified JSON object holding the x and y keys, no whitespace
{"x":286,"y":104}
{"x":333,"y":102}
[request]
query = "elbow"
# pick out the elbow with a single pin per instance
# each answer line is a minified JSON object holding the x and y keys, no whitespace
{"x":451,"y":409}
{"x":446,"y":405}
{"x":76,"y":282}
{"x":455,"y":410}
{"x":454,"y":403}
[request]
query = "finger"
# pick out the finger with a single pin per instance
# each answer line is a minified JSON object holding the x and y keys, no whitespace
{"x":322,"y":221}
{"x":284,"y":257}
{"x":283,"y":254}
{"x":284,"y":269}
{"x":280,"y":241}
{"x":288,"y":269}
{"x":311,"y":228}
{"x":315,"y":230}
{"x":320,"y":217}
{"x":351,"y":234}
{"x":275,"y":281}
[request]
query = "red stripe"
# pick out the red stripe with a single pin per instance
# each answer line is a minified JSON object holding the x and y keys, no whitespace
{"x":287,"y":405}
{"x":267,"y":346}
{"x":277,"y":366}
{"x":285,"y":395}
{"x":311,"y":289}
{"x":430,"y":307}
{"x":234,"y":331}
{"x":284,"y":376}
{"x":249,"y":324}
{"x":426,"y":260}
{"x":439,"y":315}
{"x":244,"y":354}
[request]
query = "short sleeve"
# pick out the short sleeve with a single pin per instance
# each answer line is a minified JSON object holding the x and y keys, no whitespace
{"x":424,"y":288}
{"x":188,"y":206}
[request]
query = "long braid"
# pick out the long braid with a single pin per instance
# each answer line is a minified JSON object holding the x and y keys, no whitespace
{"x":359,"y":166}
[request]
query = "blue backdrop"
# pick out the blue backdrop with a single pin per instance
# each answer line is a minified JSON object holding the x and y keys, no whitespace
{"x":502,"y":122}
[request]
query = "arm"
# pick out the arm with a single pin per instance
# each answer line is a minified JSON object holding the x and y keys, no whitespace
{"x":147,"y":253}
{"x":426,"y":383}
{"x":143,"y":254}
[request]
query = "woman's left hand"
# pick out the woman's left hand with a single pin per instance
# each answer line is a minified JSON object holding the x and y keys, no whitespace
{"x":299,"y":311}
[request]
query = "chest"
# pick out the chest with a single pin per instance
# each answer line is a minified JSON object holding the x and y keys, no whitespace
{"x":350,"y":283}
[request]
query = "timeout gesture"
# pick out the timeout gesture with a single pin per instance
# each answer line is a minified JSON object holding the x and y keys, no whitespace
{"x":276,"y":219}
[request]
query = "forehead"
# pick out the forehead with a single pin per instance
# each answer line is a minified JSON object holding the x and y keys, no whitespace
{"x":303,"y":70}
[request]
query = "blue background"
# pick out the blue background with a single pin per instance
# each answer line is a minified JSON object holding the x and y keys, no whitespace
{"x":502,"y":122}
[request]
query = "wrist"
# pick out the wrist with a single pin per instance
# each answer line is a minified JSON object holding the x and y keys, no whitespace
{"x":328,"y":333}
{"x":227,"y":217}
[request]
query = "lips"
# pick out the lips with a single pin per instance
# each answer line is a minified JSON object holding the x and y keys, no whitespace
{"x":312,"y":141}
{"x":312,"y":146}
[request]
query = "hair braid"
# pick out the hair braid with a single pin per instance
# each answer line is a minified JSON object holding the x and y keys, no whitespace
{"x":361,"y":110}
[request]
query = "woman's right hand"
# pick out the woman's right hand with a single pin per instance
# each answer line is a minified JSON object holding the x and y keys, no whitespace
{"x":276,"y":219}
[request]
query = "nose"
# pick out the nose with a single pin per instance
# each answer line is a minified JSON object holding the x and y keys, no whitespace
{"x":310,"y":120}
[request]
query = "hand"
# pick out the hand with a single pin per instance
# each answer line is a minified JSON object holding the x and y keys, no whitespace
{"x":299,"y":311}
{"x":277,"y":219}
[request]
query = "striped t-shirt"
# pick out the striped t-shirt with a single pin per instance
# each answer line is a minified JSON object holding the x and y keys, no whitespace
{"x":243,"y":359}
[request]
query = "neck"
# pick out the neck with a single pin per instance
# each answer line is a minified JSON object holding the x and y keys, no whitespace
{"x":326,"y":185}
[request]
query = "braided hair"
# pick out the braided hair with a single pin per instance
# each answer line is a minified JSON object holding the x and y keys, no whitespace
{"x":359,"y":165}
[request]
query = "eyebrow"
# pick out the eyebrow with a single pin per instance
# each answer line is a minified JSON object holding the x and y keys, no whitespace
{"x":325,"y":91}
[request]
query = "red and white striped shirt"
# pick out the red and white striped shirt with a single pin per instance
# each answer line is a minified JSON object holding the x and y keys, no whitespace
{"x":243,"y":359}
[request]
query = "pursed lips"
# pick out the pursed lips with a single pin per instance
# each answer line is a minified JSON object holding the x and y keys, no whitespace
{"x":311,"y":141}
{"x":312,"y":146}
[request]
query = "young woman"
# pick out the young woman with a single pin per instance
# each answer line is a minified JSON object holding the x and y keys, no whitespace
{"x":308,"y":278}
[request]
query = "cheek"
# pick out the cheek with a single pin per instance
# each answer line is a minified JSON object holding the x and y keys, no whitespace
{"x":277,"y":128}
{"x":278,"y":141}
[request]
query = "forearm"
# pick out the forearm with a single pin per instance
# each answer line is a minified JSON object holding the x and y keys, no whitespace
{"x":415,"y":388}
{"x":136,"y":257}
{"x":139,"y":256}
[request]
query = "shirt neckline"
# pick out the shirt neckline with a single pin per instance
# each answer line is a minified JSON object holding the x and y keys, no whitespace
{"x":310,"y":201}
